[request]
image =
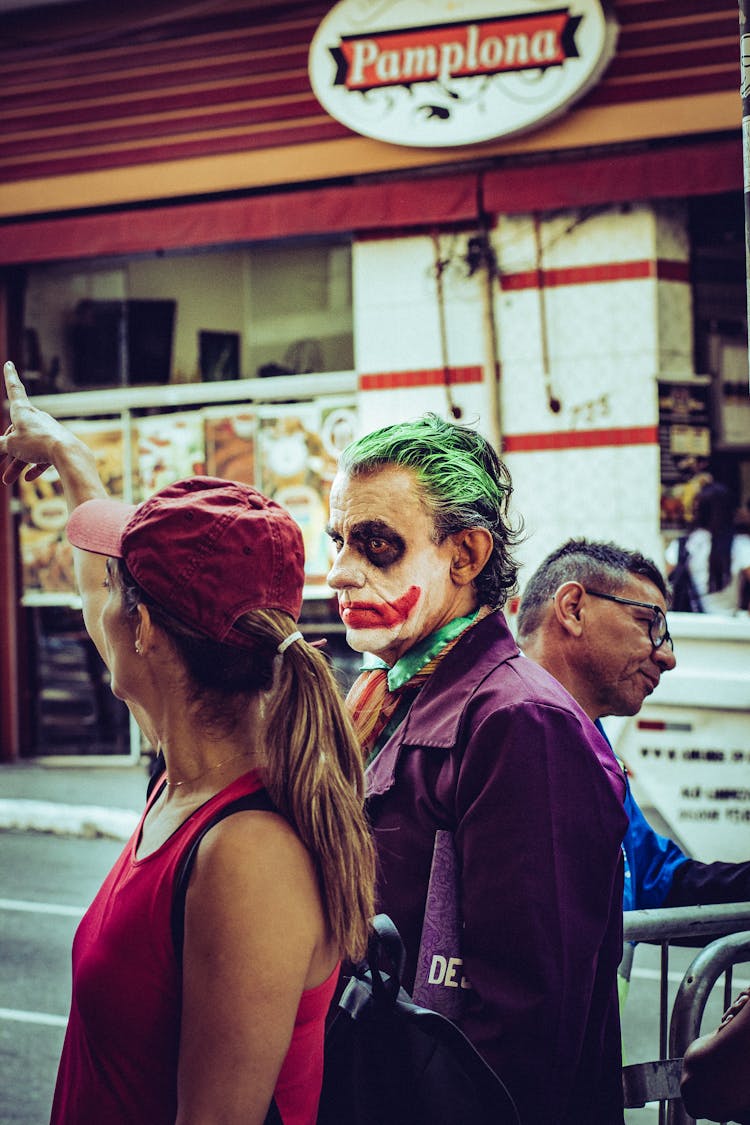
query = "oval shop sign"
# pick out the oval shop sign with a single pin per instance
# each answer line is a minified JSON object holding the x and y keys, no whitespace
{"x":432,"y":73}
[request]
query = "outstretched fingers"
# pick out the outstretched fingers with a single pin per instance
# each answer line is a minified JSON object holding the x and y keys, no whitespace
{"x":14,"y":388}
{"x":6,"y":459}
{"x":10,"y":467}
{"x":25,"y":445}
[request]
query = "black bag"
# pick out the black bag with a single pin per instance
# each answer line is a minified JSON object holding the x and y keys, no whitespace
{"x":387,"y":1061}
{"x":390,"y":1062}
{"x":684,"y":596}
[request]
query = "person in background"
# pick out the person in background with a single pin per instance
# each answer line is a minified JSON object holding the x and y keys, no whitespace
{"x":192,"y":600}
{"x":463,"y":734}
{"x":718,"y":556}
{"x":594,"y":615}
{"x":715,"y":1080}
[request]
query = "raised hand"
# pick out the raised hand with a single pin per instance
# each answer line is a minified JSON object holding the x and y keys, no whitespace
{"x":30,"y":439}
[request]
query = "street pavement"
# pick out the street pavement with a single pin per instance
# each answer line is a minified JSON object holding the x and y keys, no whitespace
{"x":76,"y":800}
{"x":94,"y":800}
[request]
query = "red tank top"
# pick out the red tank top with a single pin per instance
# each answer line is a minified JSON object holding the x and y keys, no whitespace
{"x":119,"y":1059}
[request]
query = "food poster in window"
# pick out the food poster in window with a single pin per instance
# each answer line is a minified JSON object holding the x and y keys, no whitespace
{"x":298,"y":454}
{"x":338,"y":427}
{"x":169,"y":447}
{"x":46,"y":555}
{"x":684,"y":445}
{"x":230,"y":443}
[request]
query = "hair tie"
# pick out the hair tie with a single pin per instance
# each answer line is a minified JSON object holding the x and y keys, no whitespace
{"x":289,"y":641}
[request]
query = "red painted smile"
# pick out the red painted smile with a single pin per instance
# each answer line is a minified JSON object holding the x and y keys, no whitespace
{"x":380,"y":615}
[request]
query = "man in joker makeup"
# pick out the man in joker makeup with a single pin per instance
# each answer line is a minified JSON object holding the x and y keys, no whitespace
{"x":464,"y":734}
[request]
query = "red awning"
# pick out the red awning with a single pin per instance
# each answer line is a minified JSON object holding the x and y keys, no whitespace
{"x":675,"y":171}
{"x":699,"y":168}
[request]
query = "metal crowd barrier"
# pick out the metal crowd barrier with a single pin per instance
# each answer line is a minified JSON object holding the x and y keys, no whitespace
{"x":726,"y":929}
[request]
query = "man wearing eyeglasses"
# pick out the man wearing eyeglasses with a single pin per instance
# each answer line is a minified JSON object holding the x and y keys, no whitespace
{"x":594,"y":615}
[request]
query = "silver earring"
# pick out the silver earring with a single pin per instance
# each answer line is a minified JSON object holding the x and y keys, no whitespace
{"x":138,"y":648}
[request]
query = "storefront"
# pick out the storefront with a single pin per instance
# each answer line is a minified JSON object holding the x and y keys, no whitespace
{"x":205,"y":269}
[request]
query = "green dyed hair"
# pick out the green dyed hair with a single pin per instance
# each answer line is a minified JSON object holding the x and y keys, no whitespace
{"x":463,"y":484}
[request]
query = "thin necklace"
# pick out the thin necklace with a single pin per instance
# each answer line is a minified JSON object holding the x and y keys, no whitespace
{"x":215,"y":766}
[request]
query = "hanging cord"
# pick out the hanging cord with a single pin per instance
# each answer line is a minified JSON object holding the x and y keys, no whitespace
{"x":441,"y":265}
{"x":480,"y":255}
{"x":553,"y":402}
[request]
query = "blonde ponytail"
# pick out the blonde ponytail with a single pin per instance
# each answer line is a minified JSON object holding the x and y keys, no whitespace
{"x":313,"y":772}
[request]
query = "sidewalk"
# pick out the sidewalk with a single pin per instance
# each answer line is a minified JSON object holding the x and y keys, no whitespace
{"x":97,"y":800}
{"x":72,"y":800}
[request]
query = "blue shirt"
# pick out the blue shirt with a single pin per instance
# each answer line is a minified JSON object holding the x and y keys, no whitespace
{"x":650,"y":859}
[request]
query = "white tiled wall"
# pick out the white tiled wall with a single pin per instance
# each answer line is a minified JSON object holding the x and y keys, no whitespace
{"x":607,"y":493}
{"x":607,"y":341}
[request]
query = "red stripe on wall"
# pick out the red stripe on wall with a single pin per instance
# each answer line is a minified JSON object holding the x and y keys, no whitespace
{"x":580,"y":439}
{"x":428,"y":377}
{"x":667,"y":270}
{"x":592,"y":275}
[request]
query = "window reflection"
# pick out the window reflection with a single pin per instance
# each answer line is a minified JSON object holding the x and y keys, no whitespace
{"x":205,"y":316}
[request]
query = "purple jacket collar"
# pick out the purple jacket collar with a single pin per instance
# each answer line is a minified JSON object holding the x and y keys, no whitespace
{"x":429,"y":722}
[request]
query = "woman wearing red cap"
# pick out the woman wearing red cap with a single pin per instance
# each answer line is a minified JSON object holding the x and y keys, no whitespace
{"x":192,"y":600}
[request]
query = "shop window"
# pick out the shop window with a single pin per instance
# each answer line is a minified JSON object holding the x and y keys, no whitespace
{"x":128,"y":328}
{"x":249,"y":312}
{"x":719,"y":280}
{"x":288,"y":450}
{"x":75,"y":712}
{"x":128,"y":341}
{"x":300,"y":305}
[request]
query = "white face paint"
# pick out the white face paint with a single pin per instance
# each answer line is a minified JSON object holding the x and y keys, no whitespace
{"x":394,"y":583}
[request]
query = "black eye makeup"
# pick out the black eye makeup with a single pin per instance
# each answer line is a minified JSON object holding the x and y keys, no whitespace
{"x":378,"y":542}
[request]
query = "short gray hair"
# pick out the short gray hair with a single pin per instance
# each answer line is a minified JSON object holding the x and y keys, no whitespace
{"x":604,"y":565}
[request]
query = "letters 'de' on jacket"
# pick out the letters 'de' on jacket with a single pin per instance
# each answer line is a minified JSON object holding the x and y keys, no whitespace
{"x":495,"y":751}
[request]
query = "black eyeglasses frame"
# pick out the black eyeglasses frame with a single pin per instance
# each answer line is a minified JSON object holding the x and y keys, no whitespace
{"x":658,"y":615}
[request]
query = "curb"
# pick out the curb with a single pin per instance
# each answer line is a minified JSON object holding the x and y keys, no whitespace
{"x":88,"y":821}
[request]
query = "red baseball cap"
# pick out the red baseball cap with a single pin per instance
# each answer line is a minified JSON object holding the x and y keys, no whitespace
{"x":206,"y":550}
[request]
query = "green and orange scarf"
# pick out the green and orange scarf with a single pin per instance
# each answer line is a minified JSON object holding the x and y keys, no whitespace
{"x":380,"y":697}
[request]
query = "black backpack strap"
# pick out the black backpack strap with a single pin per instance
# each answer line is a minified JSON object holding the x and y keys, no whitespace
{"x":392,"y":1062}
{"x":258,"y":801}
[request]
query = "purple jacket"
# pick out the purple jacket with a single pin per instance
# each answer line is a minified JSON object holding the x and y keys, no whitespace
{"x":496,"y":750}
